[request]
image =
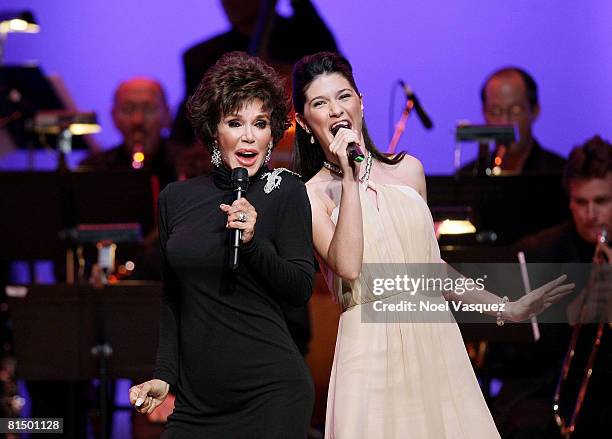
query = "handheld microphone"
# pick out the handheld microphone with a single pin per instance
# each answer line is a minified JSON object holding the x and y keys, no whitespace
{"x":240,"y":183}
{"x":353,"y":151}
{"x":425,"y":120}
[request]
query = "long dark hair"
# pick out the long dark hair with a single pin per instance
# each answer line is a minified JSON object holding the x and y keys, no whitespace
{"x":308,"y":158}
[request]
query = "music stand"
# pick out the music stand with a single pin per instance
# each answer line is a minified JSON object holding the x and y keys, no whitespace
{"x":35,"y":93}
{"x":485,"y":135}
{"x":510,"y":206}
{"x":105,"y":197}
{"x":65,"y":332}
{"x":40,"y":207}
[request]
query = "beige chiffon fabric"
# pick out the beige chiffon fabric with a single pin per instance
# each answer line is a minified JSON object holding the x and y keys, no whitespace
{"x":399,"y":379}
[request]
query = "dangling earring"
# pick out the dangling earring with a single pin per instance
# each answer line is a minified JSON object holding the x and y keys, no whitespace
{"x":269,"y":153}
{"x":312,"y":139}
{"x":215,"y":158}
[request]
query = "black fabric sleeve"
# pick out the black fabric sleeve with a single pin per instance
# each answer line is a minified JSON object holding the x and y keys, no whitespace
{"x":167,"y":353}
{"x":288,"y":267}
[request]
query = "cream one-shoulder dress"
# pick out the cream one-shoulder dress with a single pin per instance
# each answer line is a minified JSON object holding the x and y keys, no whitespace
{"x":399,"y":379}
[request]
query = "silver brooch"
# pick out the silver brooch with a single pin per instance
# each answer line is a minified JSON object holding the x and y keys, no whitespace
{"x":274,"y":178}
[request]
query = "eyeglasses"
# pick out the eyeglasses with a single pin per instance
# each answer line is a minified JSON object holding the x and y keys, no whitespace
{"x":513,"y":112}
{"x":146,"y":110}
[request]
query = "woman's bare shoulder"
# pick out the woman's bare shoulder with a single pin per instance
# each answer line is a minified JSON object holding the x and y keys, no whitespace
{"x":410,"y":166}
{"x":407,"y":169}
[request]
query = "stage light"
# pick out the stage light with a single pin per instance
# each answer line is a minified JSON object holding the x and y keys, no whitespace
{"x":15,"y":22}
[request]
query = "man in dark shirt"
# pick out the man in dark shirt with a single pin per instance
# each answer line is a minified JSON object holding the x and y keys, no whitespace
{"x":588,"y":179}
{"x":510,"y":96}
{"x":290,"y":38}
{"x":141,"y":114}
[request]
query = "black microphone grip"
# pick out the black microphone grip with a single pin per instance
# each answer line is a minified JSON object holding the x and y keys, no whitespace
{"x":236,"y":238}
{"x":240,"y":183}
{"x":353,"y":151}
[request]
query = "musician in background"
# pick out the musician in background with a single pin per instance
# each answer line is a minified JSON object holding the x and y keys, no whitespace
{"x":290,"y":38}
{"x":141,"y":114}
{"x":524,"y":405}
{"x":588,"y":180}
{"x":510,"y":96}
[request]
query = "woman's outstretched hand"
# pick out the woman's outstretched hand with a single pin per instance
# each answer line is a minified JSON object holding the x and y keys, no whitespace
{"x":147,"y":396}
{"x":538,"y":300}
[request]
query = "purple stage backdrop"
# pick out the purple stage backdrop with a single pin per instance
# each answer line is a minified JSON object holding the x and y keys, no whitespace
{"x":442,"y":48}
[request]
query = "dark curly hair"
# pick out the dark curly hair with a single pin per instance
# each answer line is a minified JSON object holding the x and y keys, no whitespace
{"x":235,"y":80}
{"x":591,"y":160}
{"x":308,"y":158}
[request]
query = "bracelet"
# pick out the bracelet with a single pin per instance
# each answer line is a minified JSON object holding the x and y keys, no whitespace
{"x":500,"y":320}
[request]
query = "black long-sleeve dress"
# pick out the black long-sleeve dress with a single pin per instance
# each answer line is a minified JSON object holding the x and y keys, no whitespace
{"x":224,"y":343}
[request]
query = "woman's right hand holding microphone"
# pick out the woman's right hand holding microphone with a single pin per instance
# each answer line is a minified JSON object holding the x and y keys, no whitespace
{"x":338,"y":146}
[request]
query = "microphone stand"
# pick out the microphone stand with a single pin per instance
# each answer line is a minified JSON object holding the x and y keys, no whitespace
{"x":400,"y":127}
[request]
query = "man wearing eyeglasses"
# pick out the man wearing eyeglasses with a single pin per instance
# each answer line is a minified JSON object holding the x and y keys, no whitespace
{"x":510,"y":96}
{"x":141,"y":114}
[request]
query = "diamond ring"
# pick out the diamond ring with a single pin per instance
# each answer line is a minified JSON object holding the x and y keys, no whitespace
{"x":242,"y":217}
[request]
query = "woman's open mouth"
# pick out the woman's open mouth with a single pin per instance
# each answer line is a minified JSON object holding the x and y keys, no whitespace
{"x":247,"y":157}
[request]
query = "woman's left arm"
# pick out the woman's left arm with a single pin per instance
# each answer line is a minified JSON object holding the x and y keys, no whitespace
{"x":530,"y":304}
{"x":288,"y":267}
